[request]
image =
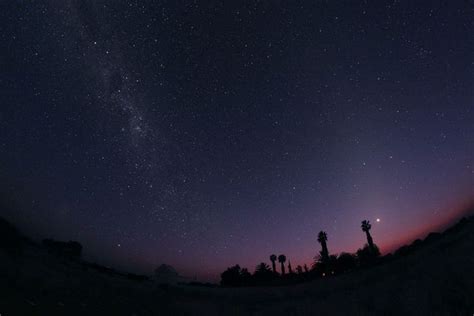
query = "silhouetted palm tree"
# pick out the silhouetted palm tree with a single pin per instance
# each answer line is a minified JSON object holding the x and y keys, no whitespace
{"x":366,"y":229}
{"x":322,"y":238}
{"x":282,"y":259}
{"x":290,"y":269}
{"x":273,"y":258}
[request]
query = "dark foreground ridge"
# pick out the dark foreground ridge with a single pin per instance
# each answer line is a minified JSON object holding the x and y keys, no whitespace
{"x":434,"y":276}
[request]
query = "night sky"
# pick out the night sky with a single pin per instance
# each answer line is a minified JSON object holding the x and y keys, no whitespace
{"x":202,"y":134}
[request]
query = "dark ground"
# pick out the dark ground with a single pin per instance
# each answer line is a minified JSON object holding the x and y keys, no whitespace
{"x":436,"y":279}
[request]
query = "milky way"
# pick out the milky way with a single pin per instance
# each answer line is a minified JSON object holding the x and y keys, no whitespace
{"x":208,"y":134}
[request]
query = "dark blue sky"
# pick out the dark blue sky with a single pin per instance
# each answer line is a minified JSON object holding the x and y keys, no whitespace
{"x":204,"y":134}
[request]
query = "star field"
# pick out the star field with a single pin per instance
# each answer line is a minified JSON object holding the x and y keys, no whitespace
{"x":205,"y":134}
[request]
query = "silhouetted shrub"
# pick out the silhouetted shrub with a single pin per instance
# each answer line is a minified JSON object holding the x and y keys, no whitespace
{"x":368,"y":255}
{"x":322,"y":267}
{"x":345,"y":262}
{"x":231,"y":276}
{"x":70,"y":249}
{"x":387,"y":258}
{"x":417,"y":243}
{"x":432,"y":237}
{"x":403,"y":251}
{"x":458,"y":226}
{"x":236,"y":276}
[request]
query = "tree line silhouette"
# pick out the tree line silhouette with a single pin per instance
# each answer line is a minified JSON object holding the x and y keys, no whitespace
{"x":13,"y":243}
{"x":324,"y":265}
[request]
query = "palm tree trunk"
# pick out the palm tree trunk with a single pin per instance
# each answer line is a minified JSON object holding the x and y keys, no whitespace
{"x":282,"y":268}
{"x":369,"y":240}
{"x":273,"y":266}
{"x":325,"y":252}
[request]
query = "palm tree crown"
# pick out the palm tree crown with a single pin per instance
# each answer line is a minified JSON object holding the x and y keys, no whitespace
{"x":273,"y":258}
{"x":282,"y":259}
{"x":366,"y":226}
{"x":322,"y":237}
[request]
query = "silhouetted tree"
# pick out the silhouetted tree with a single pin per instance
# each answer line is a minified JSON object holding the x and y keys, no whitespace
{"x":366,"y":226}
{"x":263,"y":274}
{"x":231,"y":276}
{"x":245,"y":277}
{"x":299,"y":269}
{"x":290,"y":269}
{"x":345,"y":262}
{"x":262,"y":268}
{"x":282,"y":259}
{"x":322,"y":239}
{"x":273,"y":258}
{"x":319,"y":268}
{"x":324,"y":267}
